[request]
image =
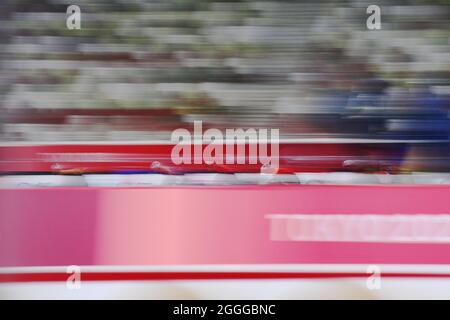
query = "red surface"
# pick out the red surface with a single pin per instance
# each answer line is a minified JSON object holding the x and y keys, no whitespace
{"x":161,"y":276}
{"x":79,"y":158}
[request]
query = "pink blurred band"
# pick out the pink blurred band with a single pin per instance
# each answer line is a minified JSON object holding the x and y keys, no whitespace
{"x":225,"y":225}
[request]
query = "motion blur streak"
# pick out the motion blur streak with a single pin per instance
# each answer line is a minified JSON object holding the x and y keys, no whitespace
{"x":137,"y":70}
{"x":91,"y":92}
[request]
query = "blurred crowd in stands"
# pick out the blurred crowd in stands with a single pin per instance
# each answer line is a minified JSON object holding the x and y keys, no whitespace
{"x":136,"y":70}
